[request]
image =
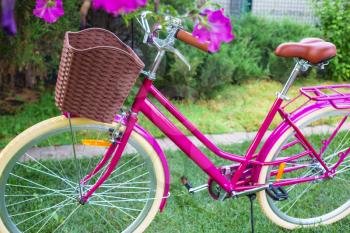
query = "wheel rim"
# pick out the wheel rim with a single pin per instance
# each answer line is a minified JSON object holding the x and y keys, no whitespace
{"x":307,"y":204}
{"x":39,"y":193}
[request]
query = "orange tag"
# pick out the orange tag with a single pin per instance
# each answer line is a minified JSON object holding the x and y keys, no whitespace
{"x":92,"y":142}
{"x":280,"y":171}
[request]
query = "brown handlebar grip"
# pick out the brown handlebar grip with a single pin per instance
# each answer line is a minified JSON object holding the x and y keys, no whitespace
{"x":191,"y":40}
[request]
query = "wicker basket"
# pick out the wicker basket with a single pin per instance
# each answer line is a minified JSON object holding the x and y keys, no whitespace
{"x":96,"y":74}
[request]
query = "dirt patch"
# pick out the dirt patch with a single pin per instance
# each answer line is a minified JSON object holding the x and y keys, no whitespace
{"x":10,"y":103}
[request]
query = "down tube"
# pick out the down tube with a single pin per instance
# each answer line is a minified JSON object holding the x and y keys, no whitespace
{"x":170,"y":130}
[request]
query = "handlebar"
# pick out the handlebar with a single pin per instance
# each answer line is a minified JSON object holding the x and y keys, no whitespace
{"x":191,"y":40}
{"x":174,"y":31}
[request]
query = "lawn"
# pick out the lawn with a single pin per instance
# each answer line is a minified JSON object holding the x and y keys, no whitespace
{"x":190,"y":213}
{"x":200,"y":213}
{"x":235,"y":108}
{"x":184,"y":212}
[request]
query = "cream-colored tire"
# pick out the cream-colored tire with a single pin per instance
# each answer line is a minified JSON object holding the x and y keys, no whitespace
{"x":287,"y":221}
{"x":55,"y":129}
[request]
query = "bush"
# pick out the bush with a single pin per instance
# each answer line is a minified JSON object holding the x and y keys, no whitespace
{"x":260,"y":37}
{"x":250,"y":55}
{"x":334,"y":21}
{"x":34,"y":52}
{"x":208,"y":73}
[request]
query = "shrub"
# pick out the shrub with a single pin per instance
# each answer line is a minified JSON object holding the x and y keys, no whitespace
{"x":208,"y":73}
{"x":35,"y":51}
{"x":264,"y":36}
{"x":335,"y":20}
{"x":250,"y":55}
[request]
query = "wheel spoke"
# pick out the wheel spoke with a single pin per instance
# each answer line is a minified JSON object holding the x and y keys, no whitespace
{"x":343,"y":143}
{"x":40,"y":211}
{"x":37,"y":197}
{"x":319,"y":200}
{"x":126,"y":182}
{"x":103,"y":217}
{"x":337,"y":177}
{"x":46,"y":219}
{"x":68,"y":182}
{"x":42,"y":195}
{"x":124,"y":172}
{"x":69,"y":216}
{"x":88,"y":166}
{"x":121,"y":209}
{"x":53,"y":162}
{"x":297,"y":198}
{"x":39,"y":185}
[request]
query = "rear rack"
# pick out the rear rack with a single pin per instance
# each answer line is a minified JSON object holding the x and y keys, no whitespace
{"x":337,"y":95}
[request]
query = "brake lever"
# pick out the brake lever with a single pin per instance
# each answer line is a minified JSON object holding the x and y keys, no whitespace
{"x":168,"y":45}
{"x":145,"y":26}
{"x":180,"y":56}
{"x":146,"y":36}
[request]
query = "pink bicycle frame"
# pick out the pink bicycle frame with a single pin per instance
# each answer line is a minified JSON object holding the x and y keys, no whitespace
{"x":245,"y":177}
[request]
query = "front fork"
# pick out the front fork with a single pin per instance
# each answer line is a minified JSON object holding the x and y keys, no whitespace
{"x":113,"y":154}
{"x":116,"y":149}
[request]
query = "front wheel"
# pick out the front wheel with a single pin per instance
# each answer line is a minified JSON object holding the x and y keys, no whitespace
{"x":39,"y":181}
{"x":312,"y":203}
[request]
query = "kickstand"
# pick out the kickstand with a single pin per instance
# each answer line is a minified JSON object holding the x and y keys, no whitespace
{"x":251,"y":199}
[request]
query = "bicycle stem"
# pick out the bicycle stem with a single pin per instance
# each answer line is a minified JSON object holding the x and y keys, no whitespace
{"x":153,"y":71}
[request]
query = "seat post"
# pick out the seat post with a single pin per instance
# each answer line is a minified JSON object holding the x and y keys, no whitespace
{"x":300,"y":65}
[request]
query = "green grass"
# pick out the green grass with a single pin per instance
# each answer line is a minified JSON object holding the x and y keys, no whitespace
{"x":30,"y":114}
{"x":199,"y":212}
{"x":184,"y":212}
{"x":235,"y":108}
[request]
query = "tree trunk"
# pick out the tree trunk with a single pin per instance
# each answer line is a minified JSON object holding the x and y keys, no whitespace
{"x":29,"y":78}
{"x":12,"y":81}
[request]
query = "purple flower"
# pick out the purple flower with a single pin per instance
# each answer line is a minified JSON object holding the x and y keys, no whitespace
{"x":8,"y":18}
{"x":216,"y":30}
{"x":49,"y":10}
{"x":117,"y":7}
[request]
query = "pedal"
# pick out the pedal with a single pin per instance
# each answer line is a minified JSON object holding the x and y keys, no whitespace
{"x":189,"y":187}
{"x":277,"y":193}
{"x":186,"y":183}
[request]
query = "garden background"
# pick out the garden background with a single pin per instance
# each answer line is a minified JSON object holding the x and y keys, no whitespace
{"x":219,"y":94}
{"x":224,"y":92}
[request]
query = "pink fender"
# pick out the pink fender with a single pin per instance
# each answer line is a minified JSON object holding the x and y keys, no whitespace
{"x":152,"y":141}
{"x":283,"y":127}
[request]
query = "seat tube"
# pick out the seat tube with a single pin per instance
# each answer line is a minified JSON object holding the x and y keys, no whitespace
{"x":267,"y":122}
{"x":297,"y":68}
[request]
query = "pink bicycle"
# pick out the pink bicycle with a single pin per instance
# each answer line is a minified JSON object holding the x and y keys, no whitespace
{"x":115,"y":177}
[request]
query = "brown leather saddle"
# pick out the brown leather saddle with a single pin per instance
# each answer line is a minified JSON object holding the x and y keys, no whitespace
{"x":314,"y":50}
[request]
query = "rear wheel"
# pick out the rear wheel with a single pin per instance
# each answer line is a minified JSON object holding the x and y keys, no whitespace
{"x":318,"y":202}
{"x":39,"y":188}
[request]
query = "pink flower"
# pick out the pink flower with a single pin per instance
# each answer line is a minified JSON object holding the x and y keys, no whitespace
{"x":8,"y":17}
{"x":217,"y":30}
{"x":49,"y":10}
{"x":117,"y":7}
